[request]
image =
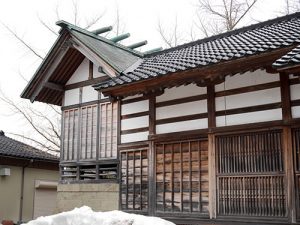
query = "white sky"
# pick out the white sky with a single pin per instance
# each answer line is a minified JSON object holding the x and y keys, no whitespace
{"x":139,"y":16}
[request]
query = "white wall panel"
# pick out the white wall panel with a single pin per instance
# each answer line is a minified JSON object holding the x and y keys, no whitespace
{"x":295,"y":91}
{"x":89,"y":94}
{"x":133,"y":96}
{"x":296,"y":112}
{"x":183,"y":109}
{"x":252,"y":117}
{"x":81,"y":73}
{"x":137,"y":122}
{"x":249,"y":99}
{"x":182,"y":126}
{"x":141,"y":136}
{"x":181,"y":92}
{"x":71,"y":97}
{"x":246,"y":79}
{"x":135,"y":107}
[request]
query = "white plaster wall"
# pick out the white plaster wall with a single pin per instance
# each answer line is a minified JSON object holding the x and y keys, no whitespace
{"x":71,"y":97}
{"x":248,"y":99}
{"x":137,"y":122}
{"x":135,"y":107}
{"x":295,"y":91}
{"x":296,"y":112}
{"x":141,"y":136}
{"x":182,"y":126}
{"x":81,"y":73}
{"x":246,"y":79}
{"x":89,"y":94}
{"x":181,"y":92}
{"x":183,"y":109}
{"x":252,"y":117}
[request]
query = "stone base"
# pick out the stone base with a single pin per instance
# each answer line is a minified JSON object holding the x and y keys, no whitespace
{"x":100,"y":197}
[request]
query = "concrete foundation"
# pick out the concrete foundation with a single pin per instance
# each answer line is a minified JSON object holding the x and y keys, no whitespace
{"x":100,"y":197}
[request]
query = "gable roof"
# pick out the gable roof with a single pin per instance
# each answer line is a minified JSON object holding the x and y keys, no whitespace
{"x":291,"y":59}
{"x":247,"y":41}
{"x":68,"y":56}
{"x":13,"y":148}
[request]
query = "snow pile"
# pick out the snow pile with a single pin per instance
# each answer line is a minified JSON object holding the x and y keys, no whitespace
{"x":86,"y":216}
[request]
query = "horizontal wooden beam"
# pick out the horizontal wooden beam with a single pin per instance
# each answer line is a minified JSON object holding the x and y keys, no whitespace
{"x":54,"y":86}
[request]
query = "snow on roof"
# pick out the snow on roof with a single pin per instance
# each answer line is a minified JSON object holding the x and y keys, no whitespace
{"x":86,"y":216}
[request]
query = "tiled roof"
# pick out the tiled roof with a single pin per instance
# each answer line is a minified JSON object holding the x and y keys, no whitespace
{"x":13,"y":148}
{"x":255,"y":39}
{"x":290,"y":59}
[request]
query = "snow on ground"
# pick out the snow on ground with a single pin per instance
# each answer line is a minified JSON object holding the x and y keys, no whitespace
{"x":86,"y":216}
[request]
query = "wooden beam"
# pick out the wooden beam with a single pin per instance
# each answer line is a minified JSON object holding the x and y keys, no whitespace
{"x":49,"y":71}
{"x":289,"y":172}
{"x":285,"y":97}
{"x":152,"y":115}
{"x":212,"y":176}
{"x":211,"y":106}
{"x":91,"y":67}
{"x":54,"y":86}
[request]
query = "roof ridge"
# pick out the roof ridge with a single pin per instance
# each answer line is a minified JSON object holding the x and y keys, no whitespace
{"x":67,"y":25}
{"x":226,"y":34}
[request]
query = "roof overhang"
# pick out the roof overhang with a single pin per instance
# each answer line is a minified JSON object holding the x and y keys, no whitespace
{"x":212,"y":74}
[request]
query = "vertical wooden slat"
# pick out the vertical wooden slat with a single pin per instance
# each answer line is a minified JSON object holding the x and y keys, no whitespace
{"x":212,"y":175}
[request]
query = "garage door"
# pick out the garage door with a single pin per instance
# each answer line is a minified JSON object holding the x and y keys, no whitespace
{"x":44,"y":198}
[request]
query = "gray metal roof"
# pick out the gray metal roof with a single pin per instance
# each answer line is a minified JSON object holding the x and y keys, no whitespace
{"x":12,"y":148}
{"x":290,"y":59}
{"x":248,"y":41}
{"x":115,"y":56}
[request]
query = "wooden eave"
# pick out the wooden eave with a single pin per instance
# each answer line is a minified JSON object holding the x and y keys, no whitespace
{"x":293,"y":69}
{"x":212,"y":74}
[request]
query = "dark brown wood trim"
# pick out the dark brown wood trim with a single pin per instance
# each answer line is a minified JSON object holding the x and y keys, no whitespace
{"x":181,"y":100}
{"x":84,"y":104}
{"x":133,"y":145}
{"x":134,"y":115}
{"x":211,"y":106}
{"x":285,"y":97}
{"x":253,"y":88}
{"x":132,"y":100}
{"x":181,"y":135}
{"x":289,"y":170}
{"x":86,"y":83}
{"x":294,"y":80}
{"x":295,"y":102}
{"x":249,"y":109}
{"x":91,"y":68}
{"x":152,"y":115}
{"x":181,"y":118}
{"x":136,"y":130}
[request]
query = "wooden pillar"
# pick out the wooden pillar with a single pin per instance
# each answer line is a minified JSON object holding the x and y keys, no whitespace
{"x":285,"y":97}
{"x":289,"y":171}
{"x":151,"y":156}
{"x":211,"y":109}
{"x":288,"y":146}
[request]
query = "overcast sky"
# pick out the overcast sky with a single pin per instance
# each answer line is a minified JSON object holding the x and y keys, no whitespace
{"x":139,"y":16}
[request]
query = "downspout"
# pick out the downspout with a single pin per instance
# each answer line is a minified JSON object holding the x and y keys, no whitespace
{"x":22,"y":192}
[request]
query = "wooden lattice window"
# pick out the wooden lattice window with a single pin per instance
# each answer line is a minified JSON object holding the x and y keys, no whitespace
{"x":296,"y":149}
{"x":70,"y":134}
{"x":88,"y":130}
{"x":250,"y":174}
{"x":182,"y":177}
{"x":134,"y":174}
{"x":108,"y":130}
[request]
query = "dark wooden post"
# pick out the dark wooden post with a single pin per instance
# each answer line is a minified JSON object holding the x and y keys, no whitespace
{"x":151,"y":155}
{"x":211,"y":109}
{"x":288,"y":146}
